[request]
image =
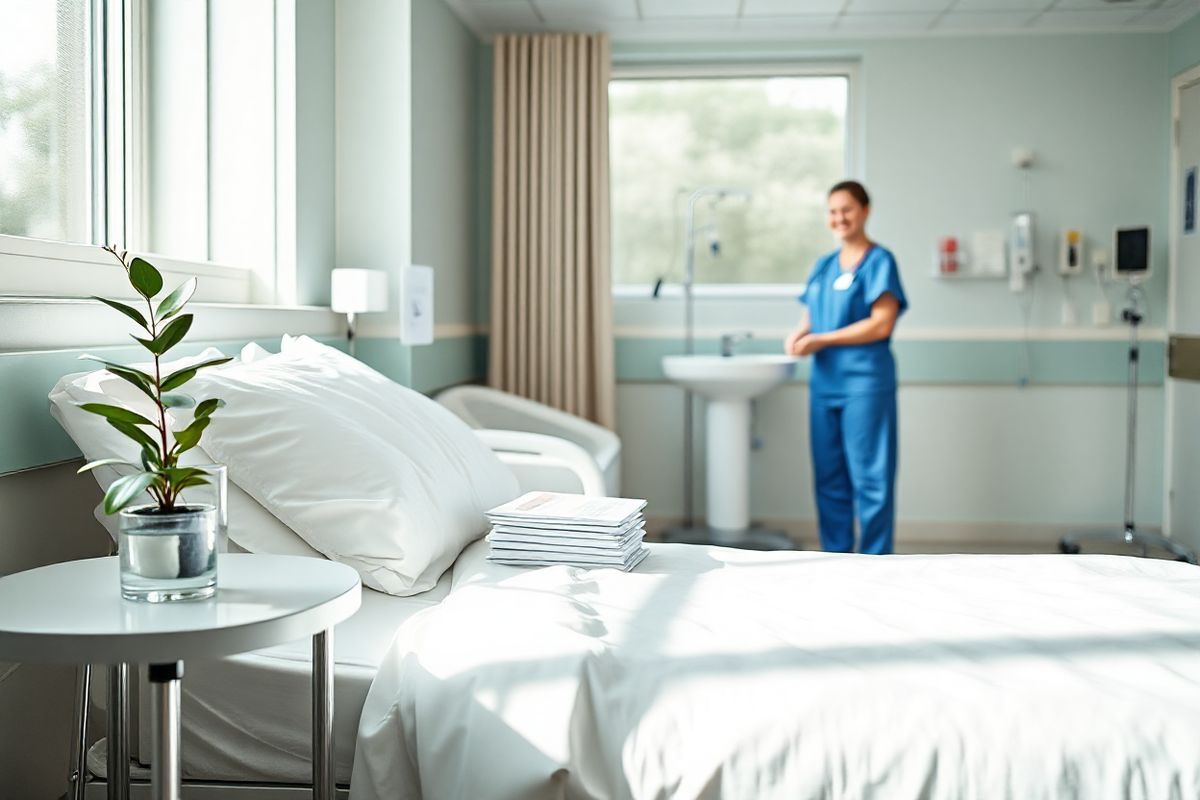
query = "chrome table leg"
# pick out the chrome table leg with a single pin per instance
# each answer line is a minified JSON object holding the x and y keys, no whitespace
{"x":324,"y":778}
{"x":118,"y":732}
{"x":83,"y":686}
{"x":165,"y":769}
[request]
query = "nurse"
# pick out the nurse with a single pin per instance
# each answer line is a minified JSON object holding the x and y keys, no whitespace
{"x":852,"y":301}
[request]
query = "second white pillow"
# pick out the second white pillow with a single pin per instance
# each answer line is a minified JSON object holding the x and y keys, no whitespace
{"x":366,"y":471}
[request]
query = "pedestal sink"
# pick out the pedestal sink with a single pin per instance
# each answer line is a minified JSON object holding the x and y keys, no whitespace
{"x":729,"y":383}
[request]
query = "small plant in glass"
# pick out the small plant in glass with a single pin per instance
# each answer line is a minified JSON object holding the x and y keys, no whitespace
{"x":168,"y":547}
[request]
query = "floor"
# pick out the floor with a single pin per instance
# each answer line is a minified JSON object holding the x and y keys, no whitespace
{"x":945,"y":540}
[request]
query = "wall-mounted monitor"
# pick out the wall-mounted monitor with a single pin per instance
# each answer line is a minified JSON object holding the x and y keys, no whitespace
{"x":1132,"y":253}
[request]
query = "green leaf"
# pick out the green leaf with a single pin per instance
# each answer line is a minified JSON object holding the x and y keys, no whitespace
{"x":178,"y":474}
{"x":128,"y":311}
{"x":178,"y":378}
{"x":124,"y":490}
{"x":189,"y":437}
{"x":134,"y":432}
{"x":103,"y":462}
{"x":172,"y":335}
{"x":207,"y":407}
{"x":190,"y":482}
{"x":150,"y":459}
{"x":139,"y":379}
{"x":173,"y":303}
{"x":145,"y":278}
{"x":117,"y":413}
{"x":181,"y":376}
{"x":178,"y":401}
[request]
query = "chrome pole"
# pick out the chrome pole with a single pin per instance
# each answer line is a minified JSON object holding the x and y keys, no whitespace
{"x":118,"y":732}
{"x":83,"y":686}
{"x":324,"y":777}
{"x":689,"y":277}
{"x":1133,"y":318}
{"x":165,"y":770}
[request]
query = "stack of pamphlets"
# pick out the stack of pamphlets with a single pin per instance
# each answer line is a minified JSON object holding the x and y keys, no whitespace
{"x":543,"y":528}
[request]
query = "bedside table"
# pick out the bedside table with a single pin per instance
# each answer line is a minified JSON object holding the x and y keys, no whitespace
{"x":73,"y":613}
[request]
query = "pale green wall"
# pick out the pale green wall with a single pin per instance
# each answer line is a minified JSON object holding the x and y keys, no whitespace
{"x":445,"y":174}
{"x":942,"y":116}
{"x":1183,"y":46}
{"x":315,"y":180}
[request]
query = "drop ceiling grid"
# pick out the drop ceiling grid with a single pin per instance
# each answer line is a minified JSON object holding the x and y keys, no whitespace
{"x":740,"y":19}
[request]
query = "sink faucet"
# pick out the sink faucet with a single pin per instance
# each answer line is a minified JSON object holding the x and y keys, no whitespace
{"x":730,"y":340}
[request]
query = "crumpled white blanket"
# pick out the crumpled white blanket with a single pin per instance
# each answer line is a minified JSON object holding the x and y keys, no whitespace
{"x":719,"y":673}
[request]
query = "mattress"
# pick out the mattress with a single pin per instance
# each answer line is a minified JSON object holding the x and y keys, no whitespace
{"x":248,"y":717}
{"x":717,"y":673}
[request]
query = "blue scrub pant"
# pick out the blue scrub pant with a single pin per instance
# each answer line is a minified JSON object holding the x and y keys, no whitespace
{"x":854,"y":465}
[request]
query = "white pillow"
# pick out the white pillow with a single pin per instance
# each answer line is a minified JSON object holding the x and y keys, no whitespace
{"x":366,"y":471}
{"x":250,"y":525}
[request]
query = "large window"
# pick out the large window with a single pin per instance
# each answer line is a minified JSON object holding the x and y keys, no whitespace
{"x":45,"y":120}
{"x":782,"y":137}
{"x":149,"y":124}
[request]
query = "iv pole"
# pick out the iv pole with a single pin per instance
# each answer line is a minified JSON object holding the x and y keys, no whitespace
{"x":689,"y":279}
{"x":1131,"y":536}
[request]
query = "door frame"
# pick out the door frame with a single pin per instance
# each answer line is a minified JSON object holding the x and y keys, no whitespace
{"x":1184,"y":80}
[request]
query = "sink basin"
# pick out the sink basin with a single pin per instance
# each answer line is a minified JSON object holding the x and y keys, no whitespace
{"x":729,"y":384}
{"x":729,"y":378}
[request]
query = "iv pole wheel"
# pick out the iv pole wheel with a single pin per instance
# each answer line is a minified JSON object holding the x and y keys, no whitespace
{"x":1068,"y":547}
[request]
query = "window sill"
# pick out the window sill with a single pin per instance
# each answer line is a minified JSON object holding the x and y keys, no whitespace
{"x":53,"y":323}
{"x":42,"y":268}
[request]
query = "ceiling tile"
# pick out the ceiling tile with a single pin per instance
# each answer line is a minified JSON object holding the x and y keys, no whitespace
{"x":885,"y":23}
{"x":1165,"y":18}
{"x":896,"y":6}
{"x":787,"y":27}
{"x":787,"y":8}
{"x":689,"y":8}
{"x":1009,"y":6}
{"x":565,"y":12}
{"x":666,"y":29}
{"x":1106,"y":19}
{"x":1003,"y":5}
{"x":1102,"y":7}
{"x":983,"y":21}
{"x":511,"y":15}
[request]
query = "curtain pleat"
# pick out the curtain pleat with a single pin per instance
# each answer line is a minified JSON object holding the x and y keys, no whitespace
{"x":551,"y":303}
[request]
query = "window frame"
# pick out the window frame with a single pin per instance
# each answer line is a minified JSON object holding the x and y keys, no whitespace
{"x":847,"y":68}
{"x":41,"y":268}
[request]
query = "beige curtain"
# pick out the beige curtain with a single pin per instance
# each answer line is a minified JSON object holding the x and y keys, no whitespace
{"x":551,"y":314}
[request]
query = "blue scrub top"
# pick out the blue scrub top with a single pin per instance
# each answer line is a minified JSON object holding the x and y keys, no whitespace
{"x":852,"y":369}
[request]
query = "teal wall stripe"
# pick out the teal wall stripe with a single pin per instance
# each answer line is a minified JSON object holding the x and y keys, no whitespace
{"x":426,"y":368}
{"x":1050,"y":363}
{"x":29,"y":436}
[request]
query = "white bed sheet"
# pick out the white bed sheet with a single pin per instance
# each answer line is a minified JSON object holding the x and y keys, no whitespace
{"x":717,"y":673}
{"x":248,"y":717}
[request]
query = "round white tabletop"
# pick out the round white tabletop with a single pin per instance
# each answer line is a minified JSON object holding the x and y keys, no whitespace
{"x":73,"y":612}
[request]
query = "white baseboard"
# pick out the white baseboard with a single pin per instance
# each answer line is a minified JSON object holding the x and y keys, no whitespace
{"x":914,"y":536}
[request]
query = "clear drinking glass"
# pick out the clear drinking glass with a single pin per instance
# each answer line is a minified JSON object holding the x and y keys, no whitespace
{"x":167,"y":557}
{"x":215,"y":494}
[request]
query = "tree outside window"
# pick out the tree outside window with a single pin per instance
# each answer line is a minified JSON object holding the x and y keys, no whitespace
{"x":782,"y":138}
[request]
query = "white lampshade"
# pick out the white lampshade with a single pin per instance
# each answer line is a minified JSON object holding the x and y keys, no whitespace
{"x":358,"y":291}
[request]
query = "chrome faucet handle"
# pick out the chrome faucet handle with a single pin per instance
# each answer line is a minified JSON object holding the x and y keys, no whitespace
{"x":729,"y":340}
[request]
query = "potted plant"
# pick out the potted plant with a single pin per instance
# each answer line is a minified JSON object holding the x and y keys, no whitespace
{"x":167,"y":548}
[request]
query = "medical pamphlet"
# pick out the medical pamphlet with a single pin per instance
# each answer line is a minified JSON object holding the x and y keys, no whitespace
{"x":547,"y":528}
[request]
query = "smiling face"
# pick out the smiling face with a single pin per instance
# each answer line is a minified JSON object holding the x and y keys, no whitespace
{"x":847,"y":216}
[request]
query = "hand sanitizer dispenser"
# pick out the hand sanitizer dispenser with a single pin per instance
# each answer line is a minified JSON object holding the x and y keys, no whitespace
{"x":1020,"y":251}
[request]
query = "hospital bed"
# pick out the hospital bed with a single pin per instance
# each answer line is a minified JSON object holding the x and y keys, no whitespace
{"x":713,"y":672}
